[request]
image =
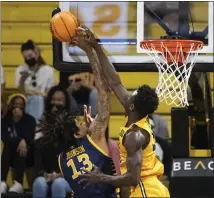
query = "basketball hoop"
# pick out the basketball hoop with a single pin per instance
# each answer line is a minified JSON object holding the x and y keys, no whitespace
{"x":174,"y":60}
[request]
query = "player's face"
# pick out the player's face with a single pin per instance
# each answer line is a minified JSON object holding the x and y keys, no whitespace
{"x":131,"y":100}
{"x":58,"y":99}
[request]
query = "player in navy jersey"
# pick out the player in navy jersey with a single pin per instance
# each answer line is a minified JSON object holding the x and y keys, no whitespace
{"x":87,"y":145}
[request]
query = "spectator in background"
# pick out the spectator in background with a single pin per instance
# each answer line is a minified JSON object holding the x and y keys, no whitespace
{"x":114,"y":152}
{"x":2,"y":90}
{"x":159,"y":126}
{"x":200,"y":100}
{"x":17,"y":133}
{"x":48,"y":176}
{"x":82,"y":93}
{"x":2,"y":81}
{"x":34,"y":78}
{"x":162,"y":148}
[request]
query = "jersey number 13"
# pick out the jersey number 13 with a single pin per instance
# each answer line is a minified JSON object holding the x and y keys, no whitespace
{"x":84,"y":159}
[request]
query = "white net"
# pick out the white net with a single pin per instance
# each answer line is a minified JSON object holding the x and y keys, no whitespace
{"x":174,"y":66}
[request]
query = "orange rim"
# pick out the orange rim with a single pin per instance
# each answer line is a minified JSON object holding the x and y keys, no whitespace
{"x":171,"y":45}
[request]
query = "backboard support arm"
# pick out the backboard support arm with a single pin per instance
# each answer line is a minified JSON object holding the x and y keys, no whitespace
{"x":183,"y":19}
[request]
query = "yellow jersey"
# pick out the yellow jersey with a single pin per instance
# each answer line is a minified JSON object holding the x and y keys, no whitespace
{"x":151,"y":166}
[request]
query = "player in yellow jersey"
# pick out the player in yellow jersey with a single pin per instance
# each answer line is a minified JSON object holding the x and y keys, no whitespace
{"x":140,"y":167}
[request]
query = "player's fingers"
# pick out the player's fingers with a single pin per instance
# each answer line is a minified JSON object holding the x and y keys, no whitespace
{"x":74,"y":41}
{"x":86,"y":185}
{"x":84,"y":170}
{"x":87,"y":29}
{"x":85,"y":110}
{"x":74,"y":44}
{"x":77,"y":123}
{"x":96,"y":169}
{"x":89,"y":110}
{"x":85,"y":107}
{"x":85,"y":116}
{"x":81,"y":32}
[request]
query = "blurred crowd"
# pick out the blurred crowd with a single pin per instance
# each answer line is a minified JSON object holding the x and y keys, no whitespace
{"x":37,"y":97}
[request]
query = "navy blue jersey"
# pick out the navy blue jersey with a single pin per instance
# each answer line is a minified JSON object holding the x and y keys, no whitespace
{"x":85,"y":155}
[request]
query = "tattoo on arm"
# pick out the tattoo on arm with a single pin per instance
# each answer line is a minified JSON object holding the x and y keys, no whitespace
{"x":101,"y":120}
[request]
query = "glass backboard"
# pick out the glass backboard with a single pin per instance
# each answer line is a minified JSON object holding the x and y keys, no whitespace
{"x":121,"y":26}
{"x":200,"y":16}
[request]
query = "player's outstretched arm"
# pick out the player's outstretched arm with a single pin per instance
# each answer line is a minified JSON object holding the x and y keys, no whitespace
{"x":108,"y":69}
{"x":99,"y":124}
{"x":134,"y":143}
{"x":111,"y":76}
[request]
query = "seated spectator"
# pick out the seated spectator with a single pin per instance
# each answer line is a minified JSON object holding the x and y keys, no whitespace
{"x":82,"y":91}
{"x":3,"y":106}
{"x":2,"y":81}
{"x":48,"y":176}
{"x":17,"y":133}
{"x":34,"y":79}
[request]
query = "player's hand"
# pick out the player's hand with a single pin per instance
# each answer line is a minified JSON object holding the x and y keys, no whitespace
{"x":87,"y":115}
{"x":83,"y":130}
{"x":125,"y":191}
{"x":90,"y":177}
{"x":89,"y":37}
{"x":80,"y":40}
{"x":85,"y":39}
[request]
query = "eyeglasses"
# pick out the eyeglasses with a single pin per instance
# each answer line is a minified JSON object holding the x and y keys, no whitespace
{"x":34,"y":84}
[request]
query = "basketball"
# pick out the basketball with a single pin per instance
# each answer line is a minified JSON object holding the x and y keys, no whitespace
{"x":63,"y":26}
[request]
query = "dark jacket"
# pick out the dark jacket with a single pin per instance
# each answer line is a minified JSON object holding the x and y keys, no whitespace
{"x":46,"y":158}
{"x":13,"y":132}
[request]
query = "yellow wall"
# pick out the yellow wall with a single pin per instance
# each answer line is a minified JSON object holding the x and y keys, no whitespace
{"x":30,"y":20}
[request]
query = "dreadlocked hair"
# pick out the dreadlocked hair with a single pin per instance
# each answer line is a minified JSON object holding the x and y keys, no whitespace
{"x":146,"y":101}
{"x":58,"y":128}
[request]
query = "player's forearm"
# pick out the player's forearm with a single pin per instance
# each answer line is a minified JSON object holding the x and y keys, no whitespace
{"x":125,"y":191}
{"x":102,"y":87}
{"x":118,"y":181}
{"x":96,"y":69}
{"x":108,"y":69}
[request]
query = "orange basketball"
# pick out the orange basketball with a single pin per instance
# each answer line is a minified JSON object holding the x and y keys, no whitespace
{"x":63,"y":26}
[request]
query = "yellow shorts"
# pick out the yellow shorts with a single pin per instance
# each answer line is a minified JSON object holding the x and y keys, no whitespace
{"x":150,"y":187}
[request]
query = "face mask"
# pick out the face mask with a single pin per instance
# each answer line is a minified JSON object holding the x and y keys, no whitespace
{"x":30,"y":62}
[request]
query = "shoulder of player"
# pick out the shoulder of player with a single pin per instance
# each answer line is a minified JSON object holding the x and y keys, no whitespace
{"x":135,"y":138}
{"x":138,"y":135}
